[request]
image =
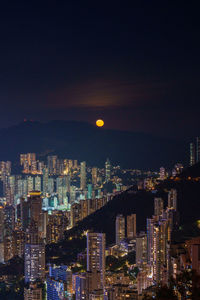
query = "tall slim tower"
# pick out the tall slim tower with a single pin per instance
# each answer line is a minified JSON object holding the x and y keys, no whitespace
{"x":61,"y":189}
{"x":38,"y":186}
{"x":83,"y":175}
{"x":34,"y":264}
{"x":131,"y":226}
{"x":96,"y":243}
{"x":52,"y":164}
{"x":45,"y":181}
{"x":158,"y":206}
{"x":108,"y":169}
{"x":141,"y":249}
{"x":172,"y":199}
{"x":192,"y":154}
{"x":150,"y":231}
{"x":119,"y":228}
{"x":94,"y":176}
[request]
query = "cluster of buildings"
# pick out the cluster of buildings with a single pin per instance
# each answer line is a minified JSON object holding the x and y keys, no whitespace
{"x":38,"y":206}
{"x":157,"y":259}
{"x":61,"y":181}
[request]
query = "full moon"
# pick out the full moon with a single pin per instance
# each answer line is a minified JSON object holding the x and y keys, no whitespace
{"x":99,"y":123}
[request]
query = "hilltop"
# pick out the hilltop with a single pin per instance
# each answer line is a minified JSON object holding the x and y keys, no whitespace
{"x":83,"y":141}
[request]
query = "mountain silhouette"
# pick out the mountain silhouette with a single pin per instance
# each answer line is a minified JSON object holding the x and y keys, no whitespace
{"x":83,"y":141}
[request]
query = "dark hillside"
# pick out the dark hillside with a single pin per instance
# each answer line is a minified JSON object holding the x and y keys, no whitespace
{"x":83,"y":141}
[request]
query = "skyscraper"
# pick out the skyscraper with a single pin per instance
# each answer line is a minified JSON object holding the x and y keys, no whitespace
{"x":28,"y":161}
{"x":5,"y":168}
{"x":45,"y":181}
{"x":83,"y":176}
{"x":89,"y":192}
{"x":61,"y":189}
{"x":172,"y":199}
{"x":141,"y":249}
{"x":94,"y":176}
{"x":34,"y":264}
{"x":131,"y":226}
{"x":33,"y":292}
{"x":150,"y":232}
{"x":108,"y":169}
{"x":96,"y":243}
{"x":158,"y":206}
{"x":30,"y":183}
{"x":158,"y":238}
{"x":59,"y":283}
{"x":192,"y":154}
{"x":163,"y":174}
{"x":38,"y":185}
{"x":52,"y":164}
{"x":35,"y":207}
{"x":80,"y":292}
{"x":119,"y":228}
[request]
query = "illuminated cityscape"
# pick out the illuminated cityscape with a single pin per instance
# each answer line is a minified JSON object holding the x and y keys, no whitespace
{"x":99,"y":150}
{"x":39,"y":206}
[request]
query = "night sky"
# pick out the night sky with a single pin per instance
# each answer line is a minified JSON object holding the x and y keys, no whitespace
{"x":135,"y":64}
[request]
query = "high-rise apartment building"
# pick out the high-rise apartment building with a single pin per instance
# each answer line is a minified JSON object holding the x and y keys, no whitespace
{"x":131,"y":226}
{"x":119,"y":228}
{"x":141,"y":249}
{"x":9,"y":219}
{"x":80,"y":287}
{"x":34,"y":264}
{"x":57,"y":225}
{"x":52,"y":164}
{"x":5,"y":168}
{"x":195,"y":152}
{"x":34,"y":292}
{"x":10,"y":189}
{"x":158,"y":206}
{"x":94,"y":176}
{"x":28,"y":161}
{"x":158,"y":238}
{"x":35,"y":207}
{"x":163,"y":173}
{"x":83,"y":176}
{"x":96,"y":243}
{"x":192,"y":154}
{"x":38,"y":184}
{"x":45,"y":181}
{"x":172,"y":199}
{"x":150,"y":233}
{"x":108,"y":170}
{"x":61,"y":189}
{"x":30,"y":183}
{"x":59,"y":283}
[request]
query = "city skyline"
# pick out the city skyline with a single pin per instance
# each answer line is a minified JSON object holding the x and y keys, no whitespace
{"x":100,"y":150}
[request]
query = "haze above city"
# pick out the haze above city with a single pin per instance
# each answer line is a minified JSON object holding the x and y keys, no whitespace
{"x":135,"y":65}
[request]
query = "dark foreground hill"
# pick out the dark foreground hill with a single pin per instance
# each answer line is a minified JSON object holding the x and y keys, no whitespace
{"x":103,"y":220}
{"x":141,"y":203}
{"x":83,"y":141}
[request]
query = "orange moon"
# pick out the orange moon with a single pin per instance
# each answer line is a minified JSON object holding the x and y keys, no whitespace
{"x":99,"y":123}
